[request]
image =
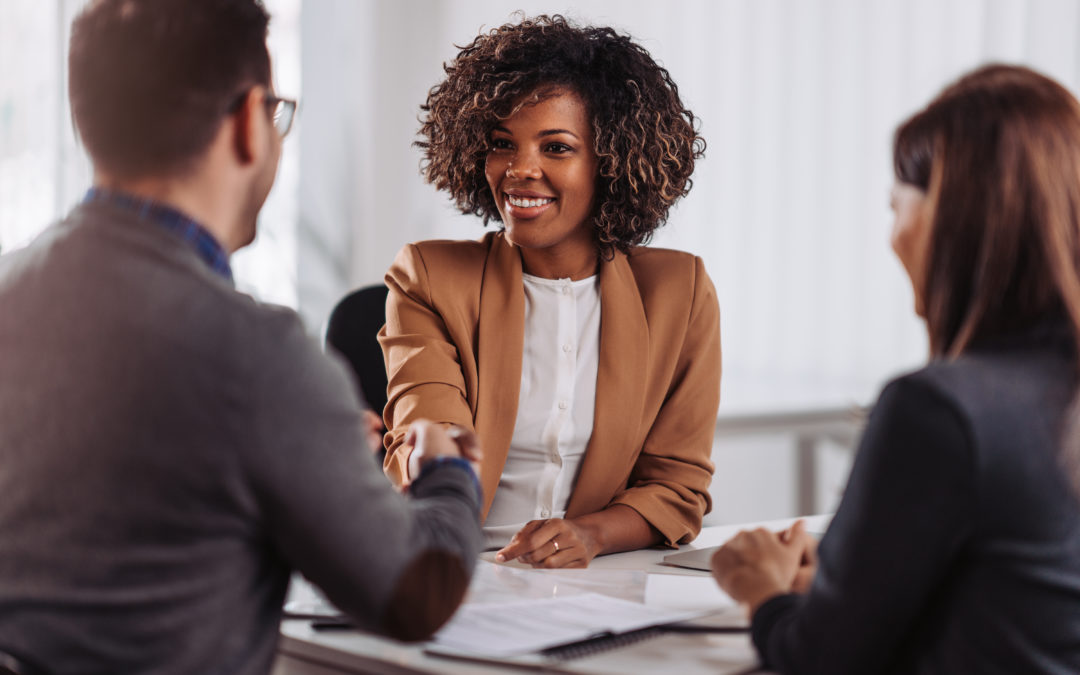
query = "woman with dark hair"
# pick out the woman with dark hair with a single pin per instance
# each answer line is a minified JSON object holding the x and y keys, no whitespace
{"x":956,"y":547}
{"x":587,"y":364}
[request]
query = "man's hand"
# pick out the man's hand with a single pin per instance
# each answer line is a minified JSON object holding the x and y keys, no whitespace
{"x":755,"y":566}
{"x":373,"y":431}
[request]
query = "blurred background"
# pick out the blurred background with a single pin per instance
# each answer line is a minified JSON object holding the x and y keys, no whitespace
{"x":798,"y":100}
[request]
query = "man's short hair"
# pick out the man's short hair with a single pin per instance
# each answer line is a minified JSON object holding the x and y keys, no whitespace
{"x":150,"y":81}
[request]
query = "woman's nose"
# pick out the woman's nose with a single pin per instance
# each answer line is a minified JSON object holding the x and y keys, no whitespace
{"x":522,"y":166}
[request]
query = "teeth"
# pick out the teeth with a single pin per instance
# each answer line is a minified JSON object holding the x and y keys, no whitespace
{"x":527,"y":203}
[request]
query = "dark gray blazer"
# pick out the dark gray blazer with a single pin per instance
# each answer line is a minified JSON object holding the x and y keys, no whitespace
{"x":170,"y":450}
{"x":956,"y":548}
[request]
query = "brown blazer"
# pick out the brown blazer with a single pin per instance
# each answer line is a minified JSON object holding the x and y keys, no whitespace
{"x":453,"y":341}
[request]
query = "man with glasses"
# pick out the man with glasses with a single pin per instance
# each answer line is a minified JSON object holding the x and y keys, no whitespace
{"x":171,"y":449}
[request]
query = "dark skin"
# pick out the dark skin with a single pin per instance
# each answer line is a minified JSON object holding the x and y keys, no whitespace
{"x":542,"y":170}
{"x":616,"y":528}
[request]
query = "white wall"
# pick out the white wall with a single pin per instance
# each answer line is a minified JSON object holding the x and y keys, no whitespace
{"x":798,"y":100}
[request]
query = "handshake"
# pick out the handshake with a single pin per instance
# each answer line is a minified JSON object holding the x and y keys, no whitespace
{"x":431,"y":441}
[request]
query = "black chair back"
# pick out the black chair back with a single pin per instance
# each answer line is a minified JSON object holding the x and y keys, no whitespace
{"x":352,"y":331}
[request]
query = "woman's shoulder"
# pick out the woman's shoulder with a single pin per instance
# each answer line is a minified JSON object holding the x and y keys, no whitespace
{"x":668,"y":273}
{"x":453,"y":257}
{"x":1001,"y":391}
{"x":1017,"y":370}
{"x":956,"y":383}
{"x":663,"y":259}
{"x":454,"y":249}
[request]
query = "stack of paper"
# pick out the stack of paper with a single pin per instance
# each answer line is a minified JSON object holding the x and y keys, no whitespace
{"x":508,"y":629}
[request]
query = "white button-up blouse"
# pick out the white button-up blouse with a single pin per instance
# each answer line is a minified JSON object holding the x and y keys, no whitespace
{"x":559,"y":362}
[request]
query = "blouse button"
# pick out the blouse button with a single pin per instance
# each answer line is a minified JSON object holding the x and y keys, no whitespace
{"x":567,"y":347}
{"x":563,"y":405}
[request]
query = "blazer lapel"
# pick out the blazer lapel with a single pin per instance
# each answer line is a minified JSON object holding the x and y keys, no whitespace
{"x":620,"y":389}
{"x":500,"y":338}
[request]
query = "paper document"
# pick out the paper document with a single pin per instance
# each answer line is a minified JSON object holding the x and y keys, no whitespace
{"x":507,"y":629}
{"x":686,"y":593}
{"x":304,"y":601}
{"x":500,"y":584}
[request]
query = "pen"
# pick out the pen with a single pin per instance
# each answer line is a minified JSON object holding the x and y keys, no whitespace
{"x":333,"y":623}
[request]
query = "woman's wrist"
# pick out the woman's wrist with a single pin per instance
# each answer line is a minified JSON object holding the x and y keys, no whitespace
{"x":592,"y":533}
{"x":614,"y":529}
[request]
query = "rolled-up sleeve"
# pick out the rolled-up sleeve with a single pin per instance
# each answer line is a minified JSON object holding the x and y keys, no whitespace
{"x":424,"y":375}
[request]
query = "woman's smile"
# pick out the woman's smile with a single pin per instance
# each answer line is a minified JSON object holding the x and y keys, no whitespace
{"x":526,"y":204}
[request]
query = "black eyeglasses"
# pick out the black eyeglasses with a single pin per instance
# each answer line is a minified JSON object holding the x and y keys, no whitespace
{"x":282,"y":110}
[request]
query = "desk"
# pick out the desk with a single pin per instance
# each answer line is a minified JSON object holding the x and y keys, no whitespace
{"x":304,"y":651}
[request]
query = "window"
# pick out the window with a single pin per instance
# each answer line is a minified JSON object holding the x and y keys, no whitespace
{"x":44,"y":173}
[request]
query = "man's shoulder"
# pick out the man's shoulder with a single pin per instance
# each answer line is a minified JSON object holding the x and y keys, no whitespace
{"x":144,"y":278}
{"x":274,"y":324}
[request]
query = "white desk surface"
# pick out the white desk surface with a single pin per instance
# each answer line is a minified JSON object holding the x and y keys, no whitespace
{"x":305,"y":651}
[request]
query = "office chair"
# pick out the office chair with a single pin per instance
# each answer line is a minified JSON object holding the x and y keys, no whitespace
{"x":351,"y":331}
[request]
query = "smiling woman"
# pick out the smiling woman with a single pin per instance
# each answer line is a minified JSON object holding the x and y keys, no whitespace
{"x":587,"y":364}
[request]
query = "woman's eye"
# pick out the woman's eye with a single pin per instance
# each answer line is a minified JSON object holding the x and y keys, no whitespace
{"x":500,"y":144}
{"x":558,"y":148}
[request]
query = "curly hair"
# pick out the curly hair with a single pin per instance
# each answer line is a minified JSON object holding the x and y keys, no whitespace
{"x":646,"y":141}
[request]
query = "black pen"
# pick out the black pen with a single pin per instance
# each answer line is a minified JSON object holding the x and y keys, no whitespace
{"x":333,"y":623}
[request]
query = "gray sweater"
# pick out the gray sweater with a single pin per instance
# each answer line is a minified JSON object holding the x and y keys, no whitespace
{"x":170,"y":450}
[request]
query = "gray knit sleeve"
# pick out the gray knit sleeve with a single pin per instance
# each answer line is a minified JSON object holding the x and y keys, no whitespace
{"x":398,"y":565}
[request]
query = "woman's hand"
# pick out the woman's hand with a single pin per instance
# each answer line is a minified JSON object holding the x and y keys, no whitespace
{"x":574,"y":543}
{"x":755,"y":566}
{"x":373,"y":431}
{"x":430,"y":440}
{"x":551,"y":543}
{"x":804,"y":576}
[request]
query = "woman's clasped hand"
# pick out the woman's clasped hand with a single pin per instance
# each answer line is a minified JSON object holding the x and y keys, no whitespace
{"x":755,"y":565}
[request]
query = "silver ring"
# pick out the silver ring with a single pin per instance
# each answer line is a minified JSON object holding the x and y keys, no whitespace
{"x":556,"y":545}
